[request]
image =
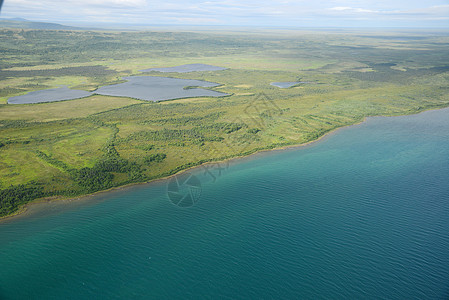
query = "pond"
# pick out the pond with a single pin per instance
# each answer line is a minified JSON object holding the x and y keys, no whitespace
{"x":149,"y":88}
{"x":287,"y":84}
{"x":50,"y":95}
{"x":152,"y":88}
{"x":186,"y":68}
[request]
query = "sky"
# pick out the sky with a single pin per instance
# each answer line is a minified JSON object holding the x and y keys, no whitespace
{"x":284,"y":13}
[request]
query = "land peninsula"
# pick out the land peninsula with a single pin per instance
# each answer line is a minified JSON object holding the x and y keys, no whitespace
{"x":107,"y":139}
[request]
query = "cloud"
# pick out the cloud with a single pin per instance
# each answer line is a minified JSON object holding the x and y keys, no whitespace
{"x":433,"y":10}
{"x":438,"y":12}
{"x":234,"y":12}
{"x":352,"y":9}
{"x":132,"y":3}
{"x":196,"y":20}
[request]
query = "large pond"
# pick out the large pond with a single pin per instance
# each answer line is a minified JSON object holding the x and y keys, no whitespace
{"x":186,"y":68}
{"x":50,"y":95}
{"x":147,"y":88}
{"x":159,"y":88}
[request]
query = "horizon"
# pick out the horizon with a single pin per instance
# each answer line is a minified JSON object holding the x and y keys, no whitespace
{"x":198,"y":27}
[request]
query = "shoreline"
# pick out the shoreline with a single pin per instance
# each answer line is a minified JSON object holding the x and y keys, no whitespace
{"x":24,"y":210}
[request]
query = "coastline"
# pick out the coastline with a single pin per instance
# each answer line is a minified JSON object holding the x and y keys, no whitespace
{"x":26,"y":209}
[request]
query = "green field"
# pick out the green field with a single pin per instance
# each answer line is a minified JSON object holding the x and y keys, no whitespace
{"x":81,"y":146}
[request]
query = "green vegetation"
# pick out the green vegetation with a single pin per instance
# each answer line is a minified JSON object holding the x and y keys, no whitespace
{"x":81,"y":146}
{"x":14,"y":196}
{"x":158,"y":157}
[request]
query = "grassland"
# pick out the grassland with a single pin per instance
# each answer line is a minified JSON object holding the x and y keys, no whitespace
{"x":81,"y":146}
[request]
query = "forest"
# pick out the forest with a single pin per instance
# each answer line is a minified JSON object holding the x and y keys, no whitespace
{"x":71,"y":148}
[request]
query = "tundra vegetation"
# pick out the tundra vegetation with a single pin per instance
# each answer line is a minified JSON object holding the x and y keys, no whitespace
{"x":81,"y":146}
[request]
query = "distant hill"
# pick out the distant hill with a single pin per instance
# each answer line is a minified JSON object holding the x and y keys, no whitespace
{"x":26,"y":24}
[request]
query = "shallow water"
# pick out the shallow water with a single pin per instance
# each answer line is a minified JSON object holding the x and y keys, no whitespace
{"x":49,"y":95}
{"x":149,"y":88}
{"x":287,"y":84}
{"x":186,"y":68}
{"x":152,"y":88}
{"x":362,"y":214}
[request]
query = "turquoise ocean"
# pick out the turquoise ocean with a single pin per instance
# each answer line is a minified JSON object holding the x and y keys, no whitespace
{"x":361,"y":214}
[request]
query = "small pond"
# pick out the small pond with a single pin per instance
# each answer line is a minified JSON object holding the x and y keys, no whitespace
{"x":186,"y":68}
{"x":287,"y":84}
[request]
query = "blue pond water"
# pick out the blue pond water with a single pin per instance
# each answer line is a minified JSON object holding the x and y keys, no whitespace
{"x":186,"y":68}
{"x":363,"y":214}
{"x":152,"y":88}
{"x":139,"y":87}
{"x":287,"y":84}
{"x":49,"y":95}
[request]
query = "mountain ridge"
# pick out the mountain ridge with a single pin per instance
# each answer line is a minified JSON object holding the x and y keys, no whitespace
{"x":21,"y":23}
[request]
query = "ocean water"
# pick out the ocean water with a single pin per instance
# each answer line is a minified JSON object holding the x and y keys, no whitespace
{"x":362,"y":214}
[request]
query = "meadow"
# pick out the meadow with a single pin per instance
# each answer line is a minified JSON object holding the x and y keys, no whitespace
{"x":81,"y":146}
